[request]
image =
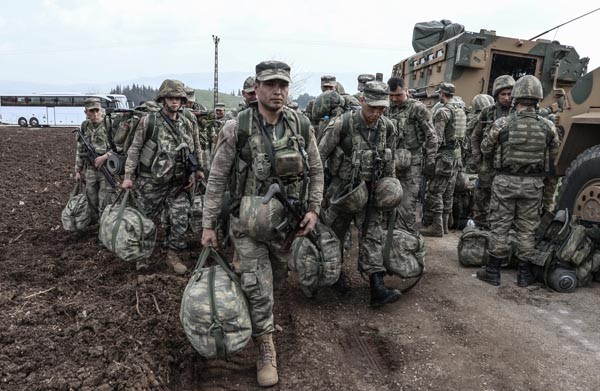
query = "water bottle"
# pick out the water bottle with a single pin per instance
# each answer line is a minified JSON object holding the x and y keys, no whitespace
{"x":470,"y":223}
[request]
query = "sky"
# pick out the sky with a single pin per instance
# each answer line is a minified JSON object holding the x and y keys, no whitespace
{"x":68,"y":41}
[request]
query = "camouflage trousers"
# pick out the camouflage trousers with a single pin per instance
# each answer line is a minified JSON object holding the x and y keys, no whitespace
{"x":516,"y":203}
{"x":411,"y":184}
{"x":261,"y":264}
{"x":98,"y":191}
{"x":154,"y":198}
{"x":482,"y":196}
{"x":439,"y":196}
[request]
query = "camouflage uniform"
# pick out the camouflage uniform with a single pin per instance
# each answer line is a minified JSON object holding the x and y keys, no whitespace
{"x":99,"y":193}
{"x":415,"y":135}
{"x":240,"y":152}
{"x":362,"y":80}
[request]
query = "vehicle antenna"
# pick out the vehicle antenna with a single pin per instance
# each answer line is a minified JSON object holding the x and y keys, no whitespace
{"x":560,"y":25}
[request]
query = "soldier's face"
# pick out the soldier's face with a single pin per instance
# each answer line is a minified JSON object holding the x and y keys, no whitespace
{"x":272,"y":94}
{"x":398,"y":96}
{"x":371,"y":113}
{"x":173,"y":104}
{"x":249,"y":96}
{"x":94,"y":115}
{"x":504,"y":97}
{"x":220,"y":113}
{"x":327,"y":88}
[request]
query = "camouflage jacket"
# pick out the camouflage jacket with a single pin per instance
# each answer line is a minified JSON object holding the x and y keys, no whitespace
{"x":97,"y":137}
{"x":227,"y":159}
{"x":415,"y":130}
{"x":164,"y":137}
{"x":486,"y":118}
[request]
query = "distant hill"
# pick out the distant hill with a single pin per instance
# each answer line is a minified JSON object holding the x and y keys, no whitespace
{"x":206,"y":98}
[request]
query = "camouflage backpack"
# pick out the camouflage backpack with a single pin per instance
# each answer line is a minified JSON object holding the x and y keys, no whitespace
{"x":317,"y":268}
{"x":126,"y":231}
{"x":404,"y":251}
{"x":472,"y":247}
{"x":214,"y":312}
{"x":77,"y":214}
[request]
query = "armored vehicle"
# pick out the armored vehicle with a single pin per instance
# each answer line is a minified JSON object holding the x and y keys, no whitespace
{"x":471,"y":61}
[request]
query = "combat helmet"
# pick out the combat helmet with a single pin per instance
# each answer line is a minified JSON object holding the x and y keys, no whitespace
{"x":388,"y":194}
{"x":325,"y":103}
{"x":171,"y":89}
{"x":480,"y":101}
{"x":528,"y":87}
{"x":501,"y":83}
{"x":351,"y":199}
{"x":260,"y":220}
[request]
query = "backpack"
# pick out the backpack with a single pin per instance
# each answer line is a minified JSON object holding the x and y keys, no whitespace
{"x":214,"y":312}
{"x":77,"y":214}
{"x":472,"y":247}
{"x":126,"y":231}
{"x":317,"y":268}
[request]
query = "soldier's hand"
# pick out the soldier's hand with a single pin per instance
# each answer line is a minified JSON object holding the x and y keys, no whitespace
{"x":308,"y":223}
{"x":429,"y":170}
{"x":199,"y":175}
{"x":209,"y":238}
{"x":100,"y":160}
{"x":77,"y":176}
{"x":191,"y":182}
{"x":127,"y":184}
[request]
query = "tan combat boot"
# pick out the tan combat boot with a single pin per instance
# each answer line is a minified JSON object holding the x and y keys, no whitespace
{"x":175,"y":263}
{"x":266,"y":366}
{"x":436,"y":228}
{"x":445,"y":218}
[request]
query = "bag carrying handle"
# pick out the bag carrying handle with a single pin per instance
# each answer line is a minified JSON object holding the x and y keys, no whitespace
{"x":208,"y":252}
{"x":76,"y":189}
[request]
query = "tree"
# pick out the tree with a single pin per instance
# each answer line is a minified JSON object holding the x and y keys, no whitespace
{"x":136,"y":93}
{"x":303,"y":100}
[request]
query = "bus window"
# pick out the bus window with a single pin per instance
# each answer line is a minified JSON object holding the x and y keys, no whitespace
{"x":8,"y":100}
{"x":65,"y":101}
{"x":35,"y":101}
{"x":79,"y":101}
{"x":49,"y":100}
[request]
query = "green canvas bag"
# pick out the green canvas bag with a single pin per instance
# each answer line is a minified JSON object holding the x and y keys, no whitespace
{"x":77,"y":214}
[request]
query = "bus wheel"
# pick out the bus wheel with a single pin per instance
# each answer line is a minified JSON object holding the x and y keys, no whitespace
{"x":22,"y":122}
{"x":34,"y":122}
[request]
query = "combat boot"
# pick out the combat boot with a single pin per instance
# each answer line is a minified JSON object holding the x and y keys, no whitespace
{"x":341,"y":285}
{"x":266,"y":365}
{"x":175,"y":263}
{"x":436,"y":228}
{"x":524,"y":275}
{"x":445,"y":218}
{"x":491,"y":272}
{"x":381,"y":295}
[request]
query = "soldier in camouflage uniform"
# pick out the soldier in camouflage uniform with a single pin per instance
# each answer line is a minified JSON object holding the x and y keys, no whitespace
{"x":191,"y":100}
{"x":328,"y":83}
{"x":98,"y":191}
{"x":477,"y":104}
{"x":350,"y":102}
{"x":353,"y":144}
{"x":450,"y":123}
{"x":160,"y":160}
{"x":249,"y":96}
{"x":362,"y":80}
{"x":501,"y":91}
{"x":523,"y":146}
{"x":264,"y":133}
{"x":417,"y":144}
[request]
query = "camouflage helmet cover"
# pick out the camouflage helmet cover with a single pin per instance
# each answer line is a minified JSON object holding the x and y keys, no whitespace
{"x":388,"y":194}
{"x":528,"y":87}
{"x":501,"y":83}
{"x":480,"y":101}
{"x":350,"y":199}
{"x":259,"y":220}
{"x":325,"y":103}
{"x":171,"y":89}
{"x":191,"y":94}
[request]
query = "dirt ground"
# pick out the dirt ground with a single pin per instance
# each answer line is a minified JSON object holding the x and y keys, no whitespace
{"x":75,"y":317}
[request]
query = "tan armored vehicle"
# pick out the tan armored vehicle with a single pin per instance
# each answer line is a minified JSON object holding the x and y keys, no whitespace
{"x":471,"y":61}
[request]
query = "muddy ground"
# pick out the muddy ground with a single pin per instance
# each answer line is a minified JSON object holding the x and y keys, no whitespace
{"x":73,"y":316}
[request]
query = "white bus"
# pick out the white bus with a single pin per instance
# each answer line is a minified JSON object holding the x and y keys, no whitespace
{"x":59,"y":109}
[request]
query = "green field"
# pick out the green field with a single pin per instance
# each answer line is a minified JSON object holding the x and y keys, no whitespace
{"x":205,"y":98}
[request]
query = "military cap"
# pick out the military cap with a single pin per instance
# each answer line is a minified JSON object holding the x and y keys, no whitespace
{"x":365,"y":77}
{"x":272,"y":70}
{"x":328,"y":81}
{"x":220,"y":105}
{"x":191,"y":94}
{"x":92,"y":103}
{"x":376,"y":93}
{"x":446,"y":88}
{"x":249,"y":84}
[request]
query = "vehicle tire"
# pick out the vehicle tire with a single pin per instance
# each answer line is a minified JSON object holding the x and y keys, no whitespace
{"x":580,"y":189}
{"x":34,"y":122}
{"x":22,"y":122}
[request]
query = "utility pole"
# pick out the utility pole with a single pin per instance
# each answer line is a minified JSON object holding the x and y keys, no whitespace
{"x":216,"y":86}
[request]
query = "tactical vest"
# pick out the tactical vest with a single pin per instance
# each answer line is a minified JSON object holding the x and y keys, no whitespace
{"x":491,"y":113}
{"x":457,"y":126}
{"x":359,"y":154}
{"x":284,"y":161}
{"x":407,"y":127}
{"x":523,"y":145}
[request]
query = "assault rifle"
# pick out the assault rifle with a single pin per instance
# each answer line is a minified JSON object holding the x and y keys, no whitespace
{"x":375,"y":175}
{"x":291,"y":223}
{"x":92,"y":155}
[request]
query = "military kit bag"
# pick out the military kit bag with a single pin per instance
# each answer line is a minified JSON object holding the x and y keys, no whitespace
{"x":472,"y":247}
{"x":317,"y":268}
{"x":77,"y":214}
{"x":126,"y":231}
{"x":404,"y":250}
{"x":214,"y":312}
{"x":577,"y":247}
{"x":196,"y":210}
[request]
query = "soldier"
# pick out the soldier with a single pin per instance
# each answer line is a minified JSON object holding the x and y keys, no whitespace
{"x":249,"y":96}
{"x":162,"y":160}
{"x":220,"y":111}
{"x":191,"y":100}
{"x":501,"y":91}
{"x":248,"y":154}
{"x":523,"y":145}
{"x":415,"y":135}
{"x":362,"y":80}
{"x":450,"y":122}
{"x":356,"y":143}
{"x":94,"y":129}
{"x":328,"y":83}
{"x":477,"y":104}
{"x":350,"y":102}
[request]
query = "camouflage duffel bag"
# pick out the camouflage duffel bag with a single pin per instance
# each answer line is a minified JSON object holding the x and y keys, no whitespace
{"x":472,"y":247}
{"x":317,"y":267}
{"x":77,"y":214}
{"x":126,"y":231}
{"x":404,"y":251}
{"x":577,"y":247}
{"x":214,"y":312}
{"x":196,"y":210}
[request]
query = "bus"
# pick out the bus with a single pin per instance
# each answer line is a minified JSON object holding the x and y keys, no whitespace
{"x":60,"y":109}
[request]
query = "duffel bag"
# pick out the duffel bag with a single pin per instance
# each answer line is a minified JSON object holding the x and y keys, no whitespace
{"x":214,"y":312}
{"x":404,"y":250}
{"x":126,"y":231}
{"x":317,"y":267}
{"x":77,"y":214}
{"x":577,"y":247}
